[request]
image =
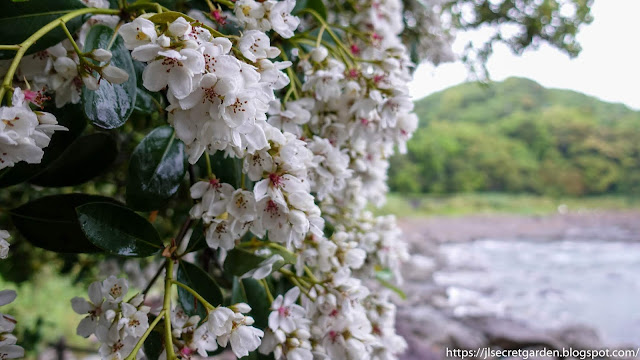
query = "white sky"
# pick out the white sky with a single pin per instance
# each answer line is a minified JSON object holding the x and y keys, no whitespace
{"x":608,"y":66}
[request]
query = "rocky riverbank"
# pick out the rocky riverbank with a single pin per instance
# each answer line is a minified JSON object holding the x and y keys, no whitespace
{"x":429,"y":321}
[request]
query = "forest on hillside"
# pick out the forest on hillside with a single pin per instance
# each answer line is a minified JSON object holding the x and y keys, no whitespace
{"x":517,"y":136}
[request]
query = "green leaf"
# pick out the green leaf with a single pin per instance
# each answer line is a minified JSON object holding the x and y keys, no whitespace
{"x":197,"y":279}
{"x":167,"y":17}
{"x":86,"y":158}
{"x":69,"y":116}
{"x":153,"y":345}
{"x":316,"y":5}
{"x":19,"y":20}
{"x":258,"y":300}
{"x":111,"y":105}
{"x":239,"y":261}
{"x":197,"y":240}
{"x":51,"y":222}
{"x":250,"y":291}
{"x":227,"y":169}
{"x":156,"y":169}
{"x":118,"y":230}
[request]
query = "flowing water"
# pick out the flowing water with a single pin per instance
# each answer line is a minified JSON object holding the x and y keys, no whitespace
{"x":549,"y":284}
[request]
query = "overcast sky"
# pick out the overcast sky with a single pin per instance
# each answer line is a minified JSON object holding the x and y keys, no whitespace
{"x":608,"y":66}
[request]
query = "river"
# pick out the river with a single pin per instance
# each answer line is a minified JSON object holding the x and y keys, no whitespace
{"x":549,"y":284}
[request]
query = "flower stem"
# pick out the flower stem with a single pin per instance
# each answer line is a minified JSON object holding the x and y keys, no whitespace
{"x":155,"y":322}
{"x":265,"y":285}
{"x":209,"y":169}
{"x":328,"y":28}
{"x":72,"y":40}
{"x":168,"y":337}
{"x":195,"y":294}
{"x":25,"y":45}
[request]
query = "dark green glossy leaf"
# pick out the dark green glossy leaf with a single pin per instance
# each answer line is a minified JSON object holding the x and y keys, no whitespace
{"x":250,"y":291}
{"x":86,"y":158}
{"x":153,"y":345}
{"x":156,"y":169}
{"x":69,"y":116}
{"x":111,"y":105}
{"x":197,"y":279}
{"x":258,"y":300}
{"x":118,"y":230}
{"x":19,"y":20}
{"x":227,"y":169}
{"x":197,"y":240}
{"x":51,"y":222}
{"x":238,"y":294}
{"x":239,"y":261}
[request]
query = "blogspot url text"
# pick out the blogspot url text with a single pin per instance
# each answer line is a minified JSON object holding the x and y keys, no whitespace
{"x":582,"y":354}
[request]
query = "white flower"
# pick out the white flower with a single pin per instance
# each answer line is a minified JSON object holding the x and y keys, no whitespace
{"x":138,"y":32}
{"x":220,"y":321}
{"x":255,"y":45}
{"x":4,"y":244}
{"x":134,"y":321}
{"x":11,"y":351}
{"x":231,"y":326}
{"x":179,"y":27}
{"x":93,"y":308}
{"x":281,"y":19}
{"x":7,"y":297}
{"x":114,"y":289}
{"x":285,"y":312}
{"x":174,"y":68}
{"x":244,"y":340}
{"x":203,"y":341}
{"x":8,"y":347}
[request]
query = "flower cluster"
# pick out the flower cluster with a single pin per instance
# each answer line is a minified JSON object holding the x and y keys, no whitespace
{"x":230,"y":325}
{"x":288,"y":334}
{"x":8,"y":347}
{"x":217,"y":101}
{"x":24,"y":132}
{"x":188,"y":337}
{"x":116,"y":323}
{"x":227,"y":213}
{"x":58,"y":71}
{"x":267,"y":15}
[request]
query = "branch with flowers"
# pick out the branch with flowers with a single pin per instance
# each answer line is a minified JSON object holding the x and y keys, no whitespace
{"x":242,"y":142}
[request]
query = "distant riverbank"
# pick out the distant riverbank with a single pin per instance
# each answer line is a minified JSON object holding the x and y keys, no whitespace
{"x":428,"y":205}
{"x":618,"y":225}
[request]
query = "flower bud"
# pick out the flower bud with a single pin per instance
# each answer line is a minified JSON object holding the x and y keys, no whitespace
{"x":114,"y":75}
{"x":101,"y":55}
{"x":318,"y":54}
{"x":179,"y":27}
{"x":46,"y":118}
{"x":90,"y":82}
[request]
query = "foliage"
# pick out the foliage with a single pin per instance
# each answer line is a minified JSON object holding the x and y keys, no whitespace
{"x":516,"y":136}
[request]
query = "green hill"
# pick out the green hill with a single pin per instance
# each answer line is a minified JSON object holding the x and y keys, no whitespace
{"x":517,"y":136}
